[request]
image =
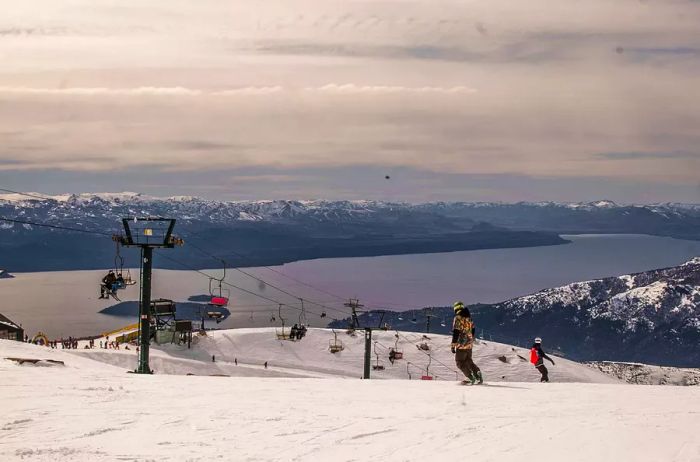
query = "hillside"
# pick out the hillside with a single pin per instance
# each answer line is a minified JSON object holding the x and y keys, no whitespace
{"x":94,"y":411}
{"x":644,"y":374}
{"x":652,"y":317}
{"x":310,"y":357}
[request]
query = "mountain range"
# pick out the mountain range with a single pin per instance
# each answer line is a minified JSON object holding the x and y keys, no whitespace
{"x":253,"y":233}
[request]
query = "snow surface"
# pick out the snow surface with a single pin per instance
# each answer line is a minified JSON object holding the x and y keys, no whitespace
{"x":311,"y":357}
{"x":88,"y":411}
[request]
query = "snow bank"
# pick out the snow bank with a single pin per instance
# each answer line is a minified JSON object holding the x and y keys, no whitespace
{"x":88,"y":411}
{"x":311,"y":357}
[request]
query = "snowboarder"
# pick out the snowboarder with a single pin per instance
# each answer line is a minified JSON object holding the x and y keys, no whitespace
{"x":463,"y":342}
{"x":537,"y":357}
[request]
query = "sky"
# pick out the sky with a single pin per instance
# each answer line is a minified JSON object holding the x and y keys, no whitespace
{"x":453,"y":100}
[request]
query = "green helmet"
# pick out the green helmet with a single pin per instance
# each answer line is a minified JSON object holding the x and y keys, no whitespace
{"x":458,"y":306}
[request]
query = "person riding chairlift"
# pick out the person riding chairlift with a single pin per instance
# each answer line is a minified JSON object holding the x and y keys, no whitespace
{"x":107,"y":285}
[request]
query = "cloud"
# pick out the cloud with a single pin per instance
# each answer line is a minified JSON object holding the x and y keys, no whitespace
{"x":243,"y":91}
{"x":387,"y":89}
{"x":140,"y":91}
{"x":102,"y":91}
{"x":636,"y":155}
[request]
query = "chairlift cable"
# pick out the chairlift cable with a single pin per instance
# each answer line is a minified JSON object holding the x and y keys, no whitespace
{"x":46,"y":225}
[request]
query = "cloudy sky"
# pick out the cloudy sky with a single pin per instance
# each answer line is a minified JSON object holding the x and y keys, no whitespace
{"x":455,"y":100}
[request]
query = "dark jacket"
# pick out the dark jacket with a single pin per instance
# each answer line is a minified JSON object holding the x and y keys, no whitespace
{"x":109,"y":279}
{"x":541,"y":355}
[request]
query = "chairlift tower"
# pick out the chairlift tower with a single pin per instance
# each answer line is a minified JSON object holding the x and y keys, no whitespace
{"x":147,"y":233}
{"x":354,"y":305}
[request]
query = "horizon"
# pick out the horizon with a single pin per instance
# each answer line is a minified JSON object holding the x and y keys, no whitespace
{"x":105,"y":195}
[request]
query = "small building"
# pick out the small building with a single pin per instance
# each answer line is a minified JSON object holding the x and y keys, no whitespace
{"x":9,"y":330}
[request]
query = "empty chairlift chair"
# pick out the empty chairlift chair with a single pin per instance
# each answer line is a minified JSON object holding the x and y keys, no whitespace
{"x":335,"y":345}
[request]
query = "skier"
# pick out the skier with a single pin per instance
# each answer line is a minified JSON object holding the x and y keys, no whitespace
{"x":462,"y":343}
{"x":537,"y":357}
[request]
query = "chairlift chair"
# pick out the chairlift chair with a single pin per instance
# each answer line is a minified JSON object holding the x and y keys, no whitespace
{"x":219,"y":296}
{"x":378,"y":365}
{"x":427,"y":375}
{"x":335,"y":345}
{"x":398,"y":354}
{"x":280,"y":333}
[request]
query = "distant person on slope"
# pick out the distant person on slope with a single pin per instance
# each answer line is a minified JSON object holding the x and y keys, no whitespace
{"x":537,"y":357}
{"x":462,"y":343}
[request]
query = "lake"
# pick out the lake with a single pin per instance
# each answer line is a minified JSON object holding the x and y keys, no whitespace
{"x":65,"y":303}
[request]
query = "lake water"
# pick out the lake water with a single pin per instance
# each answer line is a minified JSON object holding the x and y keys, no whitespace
{"x":65,"y":303}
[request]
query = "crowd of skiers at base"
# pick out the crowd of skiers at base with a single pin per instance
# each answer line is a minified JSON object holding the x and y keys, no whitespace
{"x":72,"y":344}
{"x":463,"y":331}
{"x":297,"y":332}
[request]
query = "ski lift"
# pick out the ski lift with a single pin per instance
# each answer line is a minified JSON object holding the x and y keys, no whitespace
{"x":281,"y":334}
{"x":272,"y":317}
{"x":397,"y":354}
{"x":122,"y":279}
{"x":378,"y":365}
{"x":427,"y":375}
{"x":323,"y":313}
{"x":335,"y":345}
{"x":219,"y":295}
{"x":302,"y":313}
{"x":251,"y":318}
{"x":217,"y":316}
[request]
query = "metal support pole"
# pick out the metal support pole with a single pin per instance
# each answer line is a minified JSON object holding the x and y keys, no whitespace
{"x":368,"y":352}
{"x":145,"y":310}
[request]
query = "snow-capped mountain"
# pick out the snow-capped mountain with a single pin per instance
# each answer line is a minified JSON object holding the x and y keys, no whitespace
{"x":5,"y":275}
{"x":249,"y":233}
{"x":279,"y":231}
{"x":650,"y":317}
{"x":665,"y":219}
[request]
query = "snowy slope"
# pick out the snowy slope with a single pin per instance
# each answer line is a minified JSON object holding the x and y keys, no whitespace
{"x":311,"y":357}
{"x":88,"y":411}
